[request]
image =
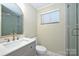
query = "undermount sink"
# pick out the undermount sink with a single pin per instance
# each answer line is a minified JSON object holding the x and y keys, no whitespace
{"x":15,"y":43}
{"x":10,"y":44}
{"x":24,"y":40}
{"x":10,"y":48}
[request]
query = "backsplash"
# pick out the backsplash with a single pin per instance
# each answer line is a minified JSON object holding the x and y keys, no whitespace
{"x":8,"y":37}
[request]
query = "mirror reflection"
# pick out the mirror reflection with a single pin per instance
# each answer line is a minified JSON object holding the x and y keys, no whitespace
{"x":11,"y":21}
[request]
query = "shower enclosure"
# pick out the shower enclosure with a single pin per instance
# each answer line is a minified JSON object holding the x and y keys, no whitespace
{"x":72,"y":13}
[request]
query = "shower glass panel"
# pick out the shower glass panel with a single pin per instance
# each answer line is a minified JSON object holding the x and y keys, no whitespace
{"x":72,"y":21}
{"x":78,"y":29}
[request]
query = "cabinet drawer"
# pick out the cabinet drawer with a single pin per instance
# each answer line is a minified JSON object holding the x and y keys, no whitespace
{"x":27,"y":50}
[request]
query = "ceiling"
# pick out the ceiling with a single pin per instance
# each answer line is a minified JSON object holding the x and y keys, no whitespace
{"x":14,"y":7}
{"x":39,"y":5}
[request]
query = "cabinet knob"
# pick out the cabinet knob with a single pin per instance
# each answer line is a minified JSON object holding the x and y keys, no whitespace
{"x":31,"y":46}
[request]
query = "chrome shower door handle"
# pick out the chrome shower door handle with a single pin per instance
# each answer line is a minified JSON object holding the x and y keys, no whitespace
{"x":74,"y":32}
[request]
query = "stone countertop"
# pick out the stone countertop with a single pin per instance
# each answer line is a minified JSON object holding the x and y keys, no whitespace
{"x":12,"y":46}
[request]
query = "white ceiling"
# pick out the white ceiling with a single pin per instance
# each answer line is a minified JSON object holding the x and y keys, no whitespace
{"x":38,"y":5}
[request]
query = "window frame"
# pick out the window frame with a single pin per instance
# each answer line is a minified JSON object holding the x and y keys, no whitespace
{"x":50,"y":11}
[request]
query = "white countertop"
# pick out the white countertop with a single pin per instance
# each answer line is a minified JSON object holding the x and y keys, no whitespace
{"x":4,"y":50}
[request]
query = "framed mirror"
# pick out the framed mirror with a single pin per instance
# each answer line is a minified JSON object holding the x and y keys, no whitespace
{"x":11,"y":21}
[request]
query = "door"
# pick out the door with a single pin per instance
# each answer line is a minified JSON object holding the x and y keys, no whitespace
{"x":78,"y":25}
{"x":72,"y":29}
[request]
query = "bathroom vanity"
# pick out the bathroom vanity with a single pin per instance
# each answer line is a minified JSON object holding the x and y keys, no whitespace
{"x":12,"y":24}
{"x":21,"y":47}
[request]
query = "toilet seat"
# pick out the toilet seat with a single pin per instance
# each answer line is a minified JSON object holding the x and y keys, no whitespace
{"x":41,"y":50}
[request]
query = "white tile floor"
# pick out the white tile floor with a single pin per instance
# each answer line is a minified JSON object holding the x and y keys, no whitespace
{"x":49,"y":53}
{"x":52,"y":54}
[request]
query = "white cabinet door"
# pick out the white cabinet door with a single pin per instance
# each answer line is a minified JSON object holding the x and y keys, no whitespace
{"x":28,"y":50}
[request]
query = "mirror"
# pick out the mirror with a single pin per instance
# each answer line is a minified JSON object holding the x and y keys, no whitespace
{"x":11,"y":21}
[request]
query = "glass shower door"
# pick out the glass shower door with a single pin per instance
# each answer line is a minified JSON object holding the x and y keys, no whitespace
{"x":72,"y":29}
{"x":78,"y":26}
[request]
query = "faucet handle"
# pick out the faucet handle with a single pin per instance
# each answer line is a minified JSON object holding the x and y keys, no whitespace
{"x":8,"y":40}
{"x":17,"y":38}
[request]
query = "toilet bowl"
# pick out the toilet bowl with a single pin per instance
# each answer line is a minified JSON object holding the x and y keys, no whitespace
{"x":41,"y":50}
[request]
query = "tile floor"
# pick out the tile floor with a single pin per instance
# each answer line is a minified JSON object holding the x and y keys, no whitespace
{"x":52,"y":54}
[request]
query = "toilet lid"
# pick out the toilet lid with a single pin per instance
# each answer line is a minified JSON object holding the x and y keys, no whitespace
{"x":40,"y":48}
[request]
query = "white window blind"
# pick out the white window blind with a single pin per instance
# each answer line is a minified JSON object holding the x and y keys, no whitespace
{"x":51,"y":17}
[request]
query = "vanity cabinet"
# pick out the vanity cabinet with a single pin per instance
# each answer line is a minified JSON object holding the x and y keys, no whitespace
{"x":27,"y":50}
{"x":10,"y":22}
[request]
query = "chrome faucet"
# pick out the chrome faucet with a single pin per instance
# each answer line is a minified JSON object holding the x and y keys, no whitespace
{"x":8,"y":40}
{"x":13,"y":36}
{"x":17,"y":38}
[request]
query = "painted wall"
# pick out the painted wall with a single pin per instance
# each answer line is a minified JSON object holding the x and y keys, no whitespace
{"x":52,"y":36}
{"x":30,"y":20}
{"x":0,"y":19}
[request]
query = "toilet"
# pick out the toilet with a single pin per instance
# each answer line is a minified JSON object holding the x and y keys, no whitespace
{"x":41,"y":50}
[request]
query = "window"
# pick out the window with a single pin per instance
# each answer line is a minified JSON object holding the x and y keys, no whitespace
{"x":51,"y":17}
